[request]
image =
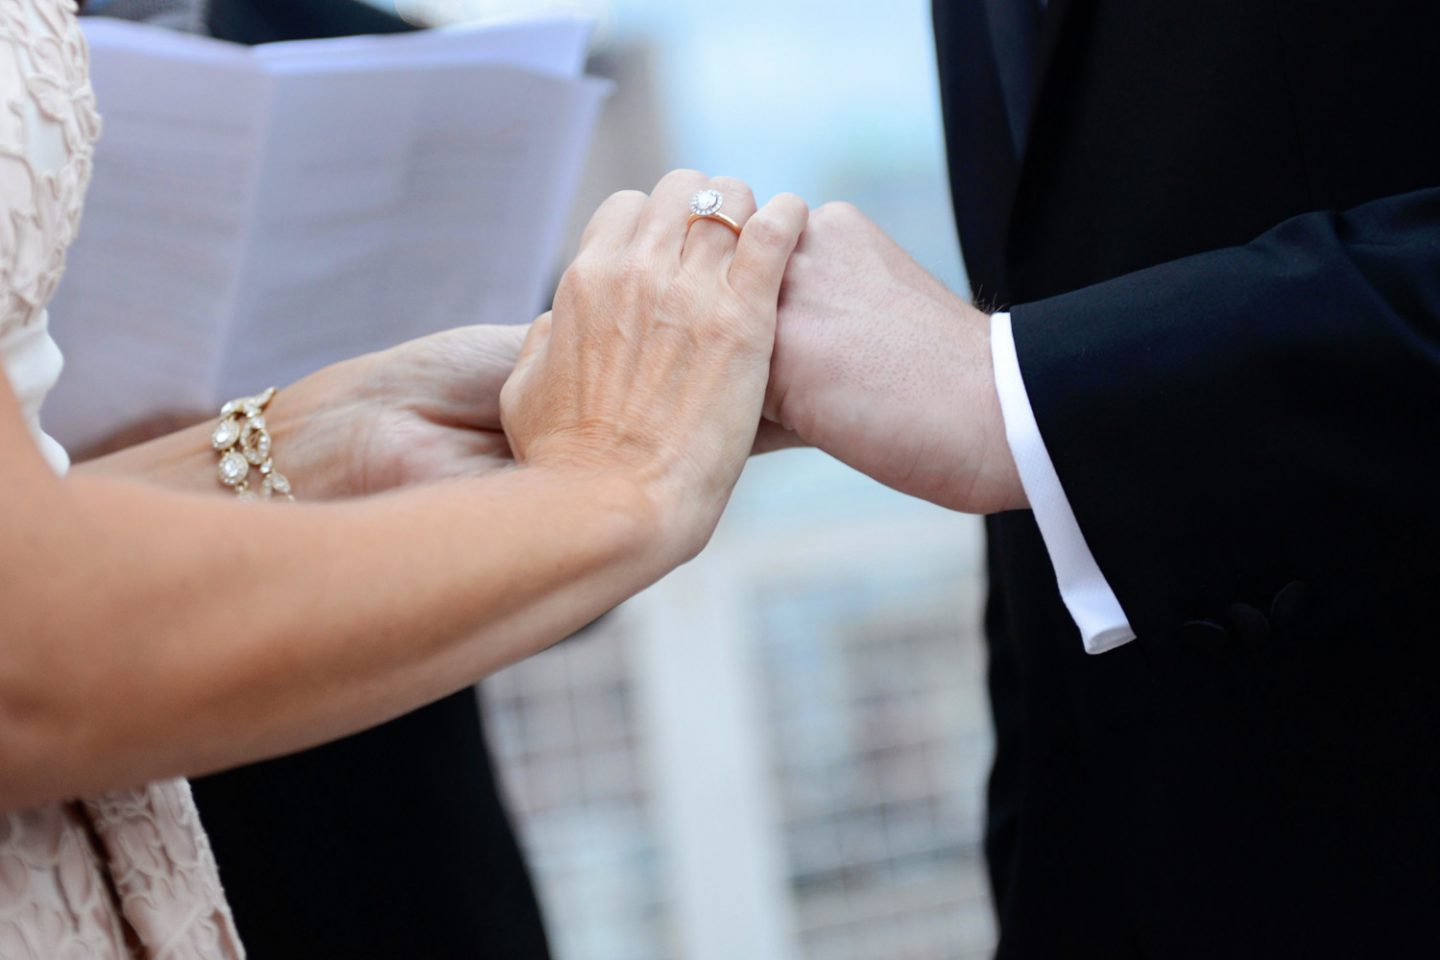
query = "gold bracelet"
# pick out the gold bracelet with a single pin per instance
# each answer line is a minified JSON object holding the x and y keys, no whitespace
{"x":242,"y":442}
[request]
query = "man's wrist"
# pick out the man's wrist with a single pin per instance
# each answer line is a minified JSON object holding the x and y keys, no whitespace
{"x":997,"y":474}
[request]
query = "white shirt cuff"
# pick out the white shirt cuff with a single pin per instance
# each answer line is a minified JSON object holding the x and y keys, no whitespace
{"x":1087,"y":595}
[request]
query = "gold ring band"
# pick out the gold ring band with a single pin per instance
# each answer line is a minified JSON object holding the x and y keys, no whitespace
{"x":717,"y":217}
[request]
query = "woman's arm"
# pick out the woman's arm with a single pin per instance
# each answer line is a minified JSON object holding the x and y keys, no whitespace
{"x":146,"y":633}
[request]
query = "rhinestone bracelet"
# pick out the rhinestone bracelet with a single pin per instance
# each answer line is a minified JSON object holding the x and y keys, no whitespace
{"x":242,"y":442}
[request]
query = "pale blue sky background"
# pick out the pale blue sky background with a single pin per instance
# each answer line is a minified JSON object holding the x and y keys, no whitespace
{"x":832,"y":100}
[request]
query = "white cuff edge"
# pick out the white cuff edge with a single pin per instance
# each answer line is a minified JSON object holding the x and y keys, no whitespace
{"x":1087,"y":595}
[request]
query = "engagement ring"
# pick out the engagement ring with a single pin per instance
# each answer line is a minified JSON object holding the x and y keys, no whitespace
{"x":706,"y":204}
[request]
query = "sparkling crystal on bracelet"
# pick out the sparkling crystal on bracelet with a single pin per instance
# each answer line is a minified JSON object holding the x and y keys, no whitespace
{"x":243,"y":443}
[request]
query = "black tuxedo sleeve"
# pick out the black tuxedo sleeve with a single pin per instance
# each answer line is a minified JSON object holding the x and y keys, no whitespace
{"x":1236,"y":421}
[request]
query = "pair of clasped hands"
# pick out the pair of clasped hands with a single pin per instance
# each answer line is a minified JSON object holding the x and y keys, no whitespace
{"x":674,"y":350}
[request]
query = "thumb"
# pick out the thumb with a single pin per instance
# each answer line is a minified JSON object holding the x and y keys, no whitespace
{"x":534,"y":346}
{"x":530,"y":352}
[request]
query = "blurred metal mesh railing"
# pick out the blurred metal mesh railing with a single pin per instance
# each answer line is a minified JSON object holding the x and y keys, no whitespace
{"x":778,"y":752}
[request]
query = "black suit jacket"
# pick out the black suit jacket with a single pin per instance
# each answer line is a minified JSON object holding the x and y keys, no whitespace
{"x":1222,"y":252}
{"x":266,"y":21}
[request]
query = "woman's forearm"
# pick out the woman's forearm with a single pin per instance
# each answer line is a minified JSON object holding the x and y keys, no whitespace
{"x":314,"y":424}
{"x":150,"y":634}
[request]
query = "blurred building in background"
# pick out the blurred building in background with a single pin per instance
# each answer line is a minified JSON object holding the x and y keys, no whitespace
{"x":778,"y":752}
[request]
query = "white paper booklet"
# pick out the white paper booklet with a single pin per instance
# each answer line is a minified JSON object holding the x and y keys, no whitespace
{"x":257,"y":213}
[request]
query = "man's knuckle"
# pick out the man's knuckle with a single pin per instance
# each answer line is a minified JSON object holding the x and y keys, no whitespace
{"x":835,"y":211}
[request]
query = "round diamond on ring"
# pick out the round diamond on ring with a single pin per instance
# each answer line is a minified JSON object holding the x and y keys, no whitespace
{"x":706,"y":203}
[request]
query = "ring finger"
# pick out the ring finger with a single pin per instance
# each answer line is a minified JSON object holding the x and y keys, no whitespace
{"x":713,"y":240}
{"x":661,"y":230}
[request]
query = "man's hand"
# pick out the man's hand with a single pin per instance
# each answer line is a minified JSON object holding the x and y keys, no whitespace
{"x":883,"y":368}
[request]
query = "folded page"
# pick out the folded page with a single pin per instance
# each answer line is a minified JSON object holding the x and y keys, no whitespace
{"x":143,"y":311}
{"x":396,"y":203}
{"x":548,"y":45}
{"x":257,"y":213}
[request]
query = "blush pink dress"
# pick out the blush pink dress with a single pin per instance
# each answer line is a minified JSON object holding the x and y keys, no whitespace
{"x":128,"y":874}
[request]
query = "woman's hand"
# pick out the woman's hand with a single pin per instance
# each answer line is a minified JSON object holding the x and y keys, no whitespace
{"x":435,"y":408}
{"x":654,"y":361}
{"x":425,"y":410}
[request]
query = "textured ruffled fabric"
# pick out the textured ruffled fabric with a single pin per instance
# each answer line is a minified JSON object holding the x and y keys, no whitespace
{"x":129,"y":874}
{"x":162,"y":872}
